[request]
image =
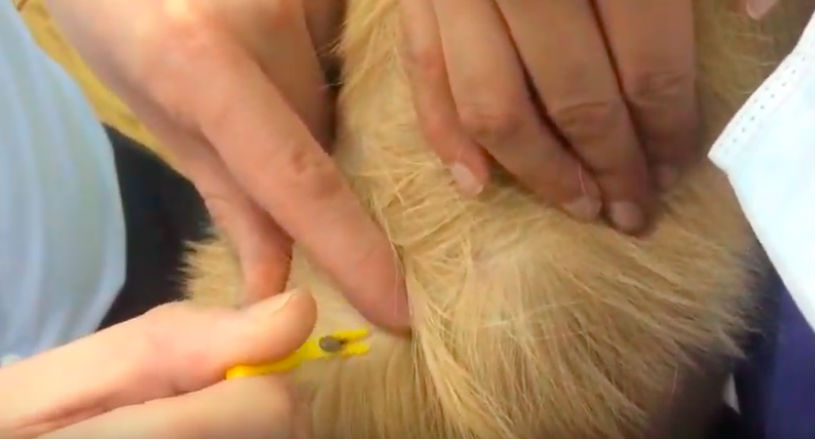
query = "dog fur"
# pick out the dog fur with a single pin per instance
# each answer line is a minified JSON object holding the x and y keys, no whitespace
{"x":527,"y":323}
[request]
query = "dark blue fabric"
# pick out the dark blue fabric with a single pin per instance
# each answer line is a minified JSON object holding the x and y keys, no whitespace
{"x":776,"y":385}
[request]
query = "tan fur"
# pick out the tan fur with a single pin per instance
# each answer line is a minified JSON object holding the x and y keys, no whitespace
{"x":527,"y":324}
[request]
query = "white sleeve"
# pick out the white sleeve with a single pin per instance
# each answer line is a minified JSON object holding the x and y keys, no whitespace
{"x":62,"y":235}
{"x":768,"y":154}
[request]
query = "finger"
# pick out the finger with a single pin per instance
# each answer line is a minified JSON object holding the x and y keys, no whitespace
{"x":288,"y":57}
{"x":435,"y":108}
{"x":496,"y":109}
{"x":324,"y":21}
{"x":570,"y":69}
{"x":173,"y":349}
{"x":756,"y":9}
{"x":270,"y":152}
{"x":261,"y":407}
{"x":653,"y":48}
{"x":264,"y":250}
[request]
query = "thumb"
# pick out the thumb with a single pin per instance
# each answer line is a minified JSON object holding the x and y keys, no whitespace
{"x":173,"y":349}
{"x":205,"y":344}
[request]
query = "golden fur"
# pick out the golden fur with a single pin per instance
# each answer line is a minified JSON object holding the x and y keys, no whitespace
{"x":529,"y":324}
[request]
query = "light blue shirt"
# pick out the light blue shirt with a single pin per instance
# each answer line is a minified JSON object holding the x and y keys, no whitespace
{"x":62,"y":235}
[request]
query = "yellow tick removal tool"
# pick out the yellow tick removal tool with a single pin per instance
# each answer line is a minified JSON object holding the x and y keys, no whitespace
{"x":336,"y":344}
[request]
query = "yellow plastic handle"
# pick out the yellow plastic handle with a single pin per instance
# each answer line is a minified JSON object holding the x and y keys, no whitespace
{"x":308,"y":351}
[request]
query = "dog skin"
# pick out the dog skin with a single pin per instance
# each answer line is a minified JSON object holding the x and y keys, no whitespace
{"x":527,"y":323}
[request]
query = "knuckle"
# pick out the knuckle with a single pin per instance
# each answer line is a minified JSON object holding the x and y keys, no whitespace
{"x":426,"y":59}
{"x":171,"y":70}
{"x":435,"y":129}
{"x":220,"y":112}
{"x":186,"y":40}
{"x":166,"y":331}
{"x":580,"y":120}
{"x":160,"y":315}
{"x":308,"y":173}
{"x":491,"y":122}
{"x":282,"y":12}
{"x":156,"y":325}
{"x":547,"y":175}
{"x":369,"y":252}
{"x":647,"y":86}
{"x":218,"y":207}
{"x":535,"y":180}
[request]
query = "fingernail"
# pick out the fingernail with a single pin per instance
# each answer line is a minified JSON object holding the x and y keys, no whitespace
{"x":273,"y":304}
{"x":584,"y":208}
{"x":465,"y":180}
{"x":626,"y":216}
{"x":757,"y":9}
{"x":666,"y":176}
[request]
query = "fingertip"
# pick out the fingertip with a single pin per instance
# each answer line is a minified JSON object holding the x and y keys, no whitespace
{"x":296,"y":304}
{"x":666,"y":176}
{"x":401,"y":315}
{"x":635,"y":216}
{"x":262,"y":247}
{"x":670,"y":159}
{"x":758,"y":9}
{"x":305,"y":306}
{"x":261,"y":279}
{"x":633,"y":204}
{"x":391,"y":310}
{"x":587,"y":205}
{"x":374,"y":283}
{"x":263,"y":253}
{"x":271,"y":328}
{"x":386,"y":307}
{"x":468,"y":183}
{"x":583,"y":208}
{"x":465,"y":159}
{"x":627,"y":216}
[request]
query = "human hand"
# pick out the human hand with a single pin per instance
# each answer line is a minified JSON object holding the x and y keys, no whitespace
{"x":608,"y":110}
{"x":756,"y":9}
{"x":234,"y":88}
{"x":160,"y":375}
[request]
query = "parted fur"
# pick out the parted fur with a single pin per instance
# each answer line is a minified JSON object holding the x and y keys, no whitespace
{"x":527,"y":323}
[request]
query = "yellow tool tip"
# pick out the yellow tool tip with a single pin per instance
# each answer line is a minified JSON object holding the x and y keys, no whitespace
{"x":357,"y":349}
{"x":240,"y":372}
{"x":312,"y":349}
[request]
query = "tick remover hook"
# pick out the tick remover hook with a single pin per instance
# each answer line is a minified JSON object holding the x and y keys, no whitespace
{"x":337,"y":344}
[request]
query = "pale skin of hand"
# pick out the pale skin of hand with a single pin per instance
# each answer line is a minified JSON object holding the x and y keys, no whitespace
{"x":235,"y":89}
{"x":161,"y":375}
{"x":589,"y":103}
